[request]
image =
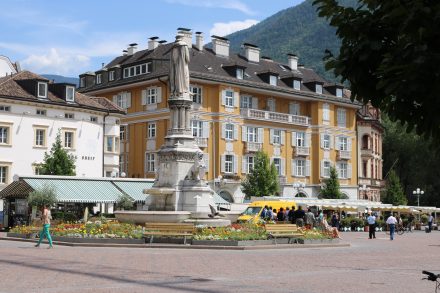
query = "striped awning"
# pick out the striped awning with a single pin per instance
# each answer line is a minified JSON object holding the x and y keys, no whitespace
{"x":134,"y":189}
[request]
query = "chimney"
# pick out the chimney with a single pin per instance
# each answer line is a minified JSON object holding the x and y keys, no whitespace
{"x":187,"y":35}
{"x":162,"y":42}
{"x":153,"y":43}
{"x":252,"y":52}
{"x":124,"y":52}
{"x":199,"y":41}
{"x":293,"y":61}
{"x":131,"y":49}
{"x":220,"y":46}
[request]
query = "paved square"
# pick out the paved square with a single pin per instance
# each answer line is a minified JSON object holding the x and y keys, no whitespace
{"x":378,"y":265}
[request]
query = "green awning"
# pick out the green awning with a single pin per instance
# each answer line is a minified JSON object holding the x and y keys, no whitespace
{"x":134,"y":189}
{"x":218,"y":200}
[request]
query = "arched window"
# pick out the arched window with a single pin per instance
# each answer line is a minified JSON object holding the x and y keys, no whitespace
{"x":300,"y":194}
{"x":226,"y":196}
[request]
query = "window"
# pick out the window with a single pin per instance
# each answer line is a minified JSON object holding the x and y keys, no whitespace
{"x":229,"y":164}
{"x":273,"y":79}
{"x":93,"y":119}
{"x":40,"y":137}
{"x":342,"y":170}
{"x":294,"y":108}
{"x":276,"y":136}
{"x":296,"y":84}
{"x":341,"y":117}
{"x":151,"y":96}
{"x":197,"y":128}
{"x":229,"y":102}
{"x":252,"y":134}
{"x":318,"y":88}
{"x":300,"y":167}
{"x":300,"y":139}
{"x":123,"y":164}
{"x":339,"y":93}
{"x":108,"y":174}
{"x":70,"y":94}
{"x":151,"y":133}
{"x":3,"y":174}
{"x":122,"y":133}
{"x":197,"y":94}
{"x":68,"y":139}
{"x":41,"y":112}
{"x":98,"y":78}
{"x":82,"y":82}
{"x":4,"y":108}
{"x":42,"y":90}
{"x":112,"y":144}
{"x":277,"y":163}
{"x":150,"y":162}
{"x":326,"y":169}
{"x":37,"y":169}
{"x":229,"y":131}
{"x":4,"y":134}
{"x":246,"y":102}
{"x":326,"y":141}
{"x":271,"y":104}
{"x":111,"y":75}
{"x":123,"y":100}
{"x":343,"y":143}
{"x":325,"y":112}
{"x":69,"y":115}
{"x":239,"y":73}
{"x":137,"y":70}
{"x":250,"y":163}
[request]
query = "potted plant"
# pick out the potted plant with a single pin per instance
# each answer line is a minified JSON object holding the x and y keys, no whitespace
{"x":345,"y":224}
{"x":366,"y":226}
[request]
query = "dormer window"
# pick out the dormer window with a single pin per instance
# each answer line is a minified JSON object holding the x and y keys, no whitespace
{"x":318,"y":88}
{"x":42,"y":90}
{"x":296,"y":84}
{"x":239,"y":73}
{"x":99,"y":78}
{"x":82,"y":82}
{"x":339,"y":93}
{"x":70,"y":94}
{"x":111,"y":75}
{"x":273,"y":79}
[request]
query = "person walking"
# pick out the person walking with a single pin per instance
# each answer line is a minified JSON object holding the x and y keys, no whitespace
{"x":430,"y":220}
{"x":291,"y":214}
{"x":263,"y":214}
{"x":410,"y":222}
{"x":391,"y":222}
{"x":45,"y":217}
{"x":310,"y":219}
{"x":299,"y":217}
{"x":371,"y":226}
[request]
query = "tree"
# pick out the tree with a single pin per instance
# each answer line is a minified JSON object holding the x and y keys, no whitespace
{"x":331,"y":188}
{"x":125,"y":202}
{"x":389,"y":55}
{"x":58,"y":161}
{"x":44,"y":196}
{"x":393,"y":193}
{"x":262,"y":180}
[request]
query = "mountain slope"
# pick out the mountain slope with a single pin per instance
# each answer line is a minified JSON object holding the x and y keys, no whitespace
{"x":60,"y":78}
{"x":296,"y":30}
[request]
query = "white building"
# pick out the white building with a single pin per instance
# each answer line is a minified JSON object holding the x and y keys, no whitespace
{"x":7,"y":67}
{"x":32,"y":112}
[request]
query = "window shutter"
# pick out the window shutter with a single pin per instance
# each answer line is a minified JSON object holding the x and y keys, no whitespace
{"x":337,"y":143}
{"x":322,"y":168}
{"x":201,"y":95}
{"x":144,"y":97}
{"x":222,"y":163}
{"x":159,"y":95}
{"x":322,"y":140}
{"x":235,"y":163}
{"x":236,"y":99}
{"x":223,"y":130}
{"x":260,"y":135}
{"x":223,"y":97}
{"x":349,"y":171}
{"x":254,"y":103}
{"x":128,"y":97}
{"x":283,"y":136}
{"x":235,"y":132}
{"x":332,"y":143}
{"x":271,"y":136}
{"x":244,"y":160}
{"x":349,"y":144}
{"x":338,"y":170}
{"x":307,"y":167}
{"x":244,"y":133}
{"x":308,"y":141}
{"x":205,"y":130}
{"x":293,"y":138}
{"x":115,"y":99}
{"x":293,"y":167}
{"x":283,"y":167}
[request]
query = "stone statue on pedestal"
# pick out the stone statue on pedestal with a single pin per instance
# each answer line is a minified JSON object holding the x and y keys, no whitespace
{"x":179,"y":73}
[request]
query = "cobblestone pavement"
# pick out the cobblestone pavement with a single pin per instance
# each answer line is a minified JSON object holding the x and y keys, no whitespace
{"x":377,"y":265}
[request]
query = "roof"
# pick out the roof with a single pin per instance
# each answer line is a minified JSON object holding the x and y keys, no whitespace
{"x":80,"y":189}
{"x":11,"y":87}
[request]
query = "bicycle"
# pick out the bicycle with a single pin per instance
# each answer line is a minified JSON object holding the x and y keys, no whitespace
{"x":399,"y":229}
{"x":432,"y":277}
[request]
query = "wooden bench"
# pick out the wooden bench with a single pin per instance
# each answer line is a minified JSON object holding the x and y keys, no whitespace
{"x":283,"y":231}
{"x":169,"y":229}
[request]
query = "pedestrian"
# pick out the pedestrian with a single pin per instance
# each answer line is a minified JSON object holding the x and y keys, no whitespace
{"x":269,"y":215}
{"x":274,"y":215}
{"x":263,"y":214}
{"x":333,"y":230}
{"x":299,"y":217}
{"x":371,"y":226}
{"x":286,"y":213}
{"x":410,"y":222}
{"x":290,"y":215}
{"x":45,"y":217}
{"x":430,"y":220}
{"x":280,"y":215}
{"x":310,"y":219}
{"x":391,"y":222}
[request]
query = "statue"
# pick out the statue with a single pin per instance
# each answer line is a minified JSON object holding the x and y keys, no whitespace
{"x":179,"y":72}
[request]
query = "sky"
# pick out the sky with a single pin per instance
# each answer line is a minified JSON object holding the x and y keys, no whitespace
{"x":71,"y":37}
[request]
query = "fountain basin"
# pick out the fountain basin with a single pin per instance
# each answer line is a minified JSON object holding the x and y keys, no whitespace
{"x":141,"y":217}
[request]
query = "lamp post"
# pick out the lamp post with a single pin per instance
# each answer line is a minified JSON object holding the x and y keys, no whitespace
{"x":364,"y":189}
{"x":418,"y":193}
{"x":298,"y":186}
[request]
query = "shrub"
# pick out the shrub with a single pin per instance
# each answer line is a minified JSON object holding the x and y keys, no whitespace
{"x":44,"y":196}
{"x":125,"y":202}
{"x":424,"y":219}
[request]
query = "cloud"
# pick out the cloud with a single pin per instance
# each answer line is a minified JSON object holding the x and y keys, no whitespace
{"x":225,"y":28}
{"x":226,"y":4}
{"x":56,"y":63}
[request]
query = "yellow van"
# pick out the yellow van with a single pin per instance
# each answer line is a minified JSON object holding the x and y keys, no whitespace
{"x":253,"y":211}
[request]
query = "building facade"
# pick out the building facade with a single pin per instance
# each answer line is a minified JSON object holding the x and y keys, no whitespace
{"x":370,"y":134}
{"x":33,"y":111}
{"x":7,"y":67}
{"x":242,"y":104}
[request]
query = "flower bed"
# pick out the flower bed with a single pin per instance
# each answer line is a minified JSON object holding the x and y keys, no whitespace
{"x":233,"y":232}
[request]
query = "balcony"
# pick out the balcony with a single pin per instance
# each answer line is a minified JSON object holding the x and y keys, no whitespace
{"x":368,"y":153}
{"x":253,"y":147}
{"x":301,"y":151}
{"x":275,"y":117}
{"x":364,"y":181}
{"x":201,"y":141}
{"x":344,"y":155}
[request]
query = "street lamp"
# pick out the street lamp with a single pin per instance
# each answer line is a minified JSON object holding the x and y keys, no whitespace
{"x":364,"y":189}
{"x":298,"y":186}
{"x":418,"y":193}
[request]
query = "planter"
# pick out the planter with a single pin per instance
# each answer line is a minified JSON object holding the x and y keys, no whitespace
{"x":366,"y":228}
{"x":98,"y":240}
{"x":317,"y":241}
{"x":233,"y":242}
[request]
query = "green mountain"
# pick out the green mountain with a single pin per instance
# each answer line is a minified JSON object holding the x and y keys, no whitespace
{"x":296,"y":30}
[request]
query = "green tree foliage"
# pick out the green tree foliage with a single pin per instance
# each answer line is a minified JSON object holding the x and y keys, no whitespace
{"x":262,"y":179}
{"x":58,"y":161}
{"x":389,"y":54}
{"x":125,"y":202}
{"x":393,"y":192}
{"x":44,"y":196}
{"x":332,"y":188}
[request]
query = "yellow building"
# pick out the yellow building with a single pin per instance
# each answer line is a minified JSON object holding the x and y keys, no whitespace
{"x":242,"y":103}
